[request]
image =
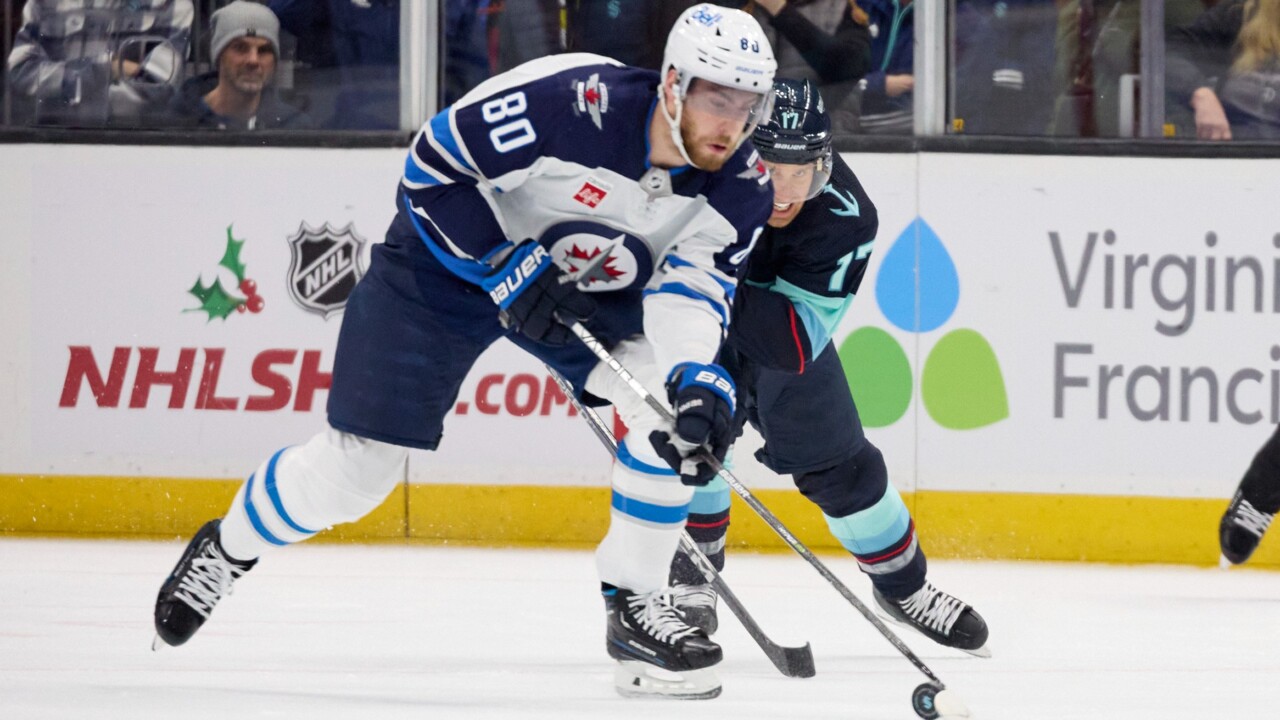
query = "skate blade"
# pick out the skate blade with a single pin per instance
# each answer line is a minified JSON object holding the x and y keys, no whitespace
{"x":641,"y":680}
{"x":157,"y":644}
{"x":1224,"y":563}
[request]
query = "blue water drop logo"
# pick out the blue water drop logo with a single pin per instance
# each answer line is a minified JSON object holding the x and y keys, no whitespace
{"x":927,"y":305}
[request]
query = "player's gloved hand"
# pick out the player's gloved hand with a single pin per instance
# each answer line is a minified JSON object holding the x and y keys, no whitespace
{"x":530,"y":291}
{"x":703,"y":398}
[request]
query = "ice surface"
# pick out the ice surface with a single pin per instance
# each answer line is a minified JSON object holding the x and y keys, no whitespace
{"x":340,"y":631}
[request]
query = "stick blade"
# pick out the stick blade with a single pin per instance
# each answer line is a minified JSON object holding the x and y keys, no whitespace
{"x":794,"y":662}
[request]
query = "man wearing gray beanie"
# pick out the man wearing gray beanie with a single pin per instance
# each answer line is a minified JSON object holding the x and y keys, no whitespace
{"x":239,"y":93}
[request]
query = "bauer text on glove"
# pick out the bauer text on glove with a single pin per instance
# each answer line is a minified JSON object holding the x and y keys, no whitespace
{"x":703,"y":399}
{"x":530,"y":290}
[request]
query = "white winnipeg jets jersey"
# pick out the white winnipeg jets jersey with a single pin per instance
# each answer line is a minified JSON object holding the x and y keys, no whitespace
{"x":556,"y":150}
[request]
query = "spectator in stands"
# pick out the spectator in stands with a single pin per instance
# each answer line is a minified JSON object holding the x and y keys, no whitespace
{"x":524,"y":30}
{"x":826,"y":41}
{"x":93,"y":62}
{"x":1003,"y":75}
{"x":363,"y":39}
{"x":888,"y":87}
{"x":239,"y":93}
{"x":1097,"y":44}
{"x":1226,"y":67}
{"x":466,"y":44}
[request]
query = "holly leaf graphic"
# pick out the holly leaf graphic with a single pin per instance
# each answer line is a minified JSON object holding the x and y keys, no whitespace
{"x":231,"y":258}
{"x":214,"y":299}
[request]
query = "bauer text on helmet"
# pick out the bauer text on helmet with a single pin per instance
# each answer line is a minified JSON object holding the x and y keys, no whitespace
{"x":795,"y":144}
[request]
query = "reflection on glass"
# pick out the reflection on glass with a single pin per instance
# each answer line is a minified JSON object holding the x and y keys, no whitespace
{"x":107,"y":62}
{"x":889,"y":86}
{"x":1003,"y":75}
{"x":347,"y":70}
{"x":827,"y":42}
{"x":1223,"y":72}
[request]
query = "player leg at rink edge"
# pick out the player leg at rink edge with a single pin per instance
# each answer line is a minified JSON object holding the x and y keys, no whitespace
{"x":801,"y":277}
{"x":1254,"y":505}
{"x":683,"y":203}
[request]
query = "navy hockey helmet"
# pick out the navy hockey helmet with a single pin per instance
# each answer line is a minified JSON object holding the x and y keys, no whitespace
{"x":798,"y":132}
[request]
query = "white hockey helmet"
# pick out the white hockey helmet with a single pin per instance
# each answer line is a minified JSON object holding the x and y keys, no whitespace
{"x":723,"y":46}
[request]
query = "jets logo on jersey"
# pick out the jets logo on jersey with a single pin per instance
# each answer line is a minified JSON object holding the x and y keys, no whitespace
{"x":592,"y":193}
{"x":600,"y":258}
{"x":593,"y":99}
{"x":324,"y":267}
{"x":755,"y":169}
{"x":595,"y":265}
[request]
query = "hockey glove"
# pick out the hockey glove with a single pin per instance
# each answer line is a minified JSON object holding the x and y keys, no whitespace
{"x":530,"y":290}
{"x":703,"y":398}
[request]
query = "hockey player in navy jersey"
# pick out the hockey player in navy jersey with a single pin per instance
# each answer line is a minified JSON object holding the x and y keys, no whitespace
{"x":570,"y":187}
{"x":800,"y":280}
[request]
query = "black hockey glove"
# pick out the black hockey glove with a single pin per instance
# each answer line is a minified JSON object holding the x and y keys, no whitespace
{"x":530,"y":290}
{"x":703,"y":398}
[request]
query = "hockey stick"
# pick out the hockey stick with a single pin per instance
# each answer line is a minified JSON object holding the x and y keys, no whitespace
{"x":922,"y":695}
{"x":790,"y":661}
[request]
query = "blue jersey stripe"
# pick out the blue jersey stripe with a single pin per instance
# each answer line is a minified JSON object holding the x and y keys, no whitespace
{"x":443,"y":134}
{"x":676,"y":261}
{"x":676,"y":288}
{"x":468,"y":270}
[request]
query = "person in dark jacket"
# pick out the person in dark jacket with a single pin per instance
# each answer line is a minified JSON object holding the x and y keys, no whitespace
{"x":239,"y":94}
{"x":825,"y":41}
{"x":1225,"y":66}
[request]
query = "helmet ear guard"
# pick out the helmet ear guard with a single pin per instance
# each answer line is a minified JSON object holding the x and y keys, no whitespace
{"x":798,"y":131}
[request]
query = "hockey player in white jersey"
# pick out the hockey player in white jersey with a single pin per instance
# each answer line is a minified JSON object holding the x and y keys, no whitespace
{"x":570,"y":187}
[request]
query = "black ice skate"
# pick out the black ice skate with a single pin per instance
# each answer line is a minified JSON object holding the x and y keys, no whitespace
{"x":1241,"y":529}
{"x":698,"y":605}
{"x":940,"y":617}
{"x":200,"y":579}
{"x":660,"y":655}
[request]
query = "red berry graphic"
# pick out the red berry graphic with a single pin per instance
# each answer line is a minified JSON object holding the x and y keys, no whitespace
{"x":240,"y":308}
{"x":248,"y":287}
{"x":256,"y":303}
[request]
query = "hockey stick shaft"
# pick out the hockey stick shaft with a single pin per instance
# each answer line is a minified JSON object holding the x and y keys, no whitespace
{"x":790,"y":661}
{"x":769,"y":518}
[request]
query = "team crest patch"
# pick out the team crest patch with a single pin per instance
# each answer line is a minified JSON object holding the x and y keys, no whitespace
{"x":592,"y":192}
{"x":599,"y":263}
{"x":755,"y":169}
{"x":325,"y":266}
{"x":593,"y":99}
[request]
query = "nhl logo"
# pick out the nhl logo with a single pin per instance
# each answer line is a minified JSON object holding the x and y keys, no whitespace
{"x":324,"y":267}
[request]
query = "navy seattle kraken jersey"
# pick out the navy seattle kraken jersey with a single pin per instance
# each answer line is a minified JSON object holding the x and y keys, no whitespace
{"x":801,"y":279}
{"x":555,"y":150}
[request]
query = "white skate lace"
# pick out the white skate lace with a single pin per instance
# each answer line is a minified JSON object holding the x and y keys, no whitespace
{"x":932,"y":608}
{"x":693,"y":596}
{"x":208,"y":580}
{"x":1251,"y":518}
{"x":659,"y":617}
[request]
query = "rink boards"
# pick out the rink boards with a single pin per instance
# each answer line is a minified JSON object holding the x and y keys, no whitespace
{"x":1060,"y":357}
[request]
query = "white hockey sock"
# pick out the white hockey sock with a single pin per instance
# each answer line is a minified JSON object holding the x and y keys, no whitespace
{"x":334,"y":478}
{"x":649,"y":506}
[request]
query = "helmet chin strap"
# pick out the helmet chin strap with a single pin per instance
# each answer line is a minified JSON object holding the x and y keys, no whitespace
{"x":674,"y":122}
